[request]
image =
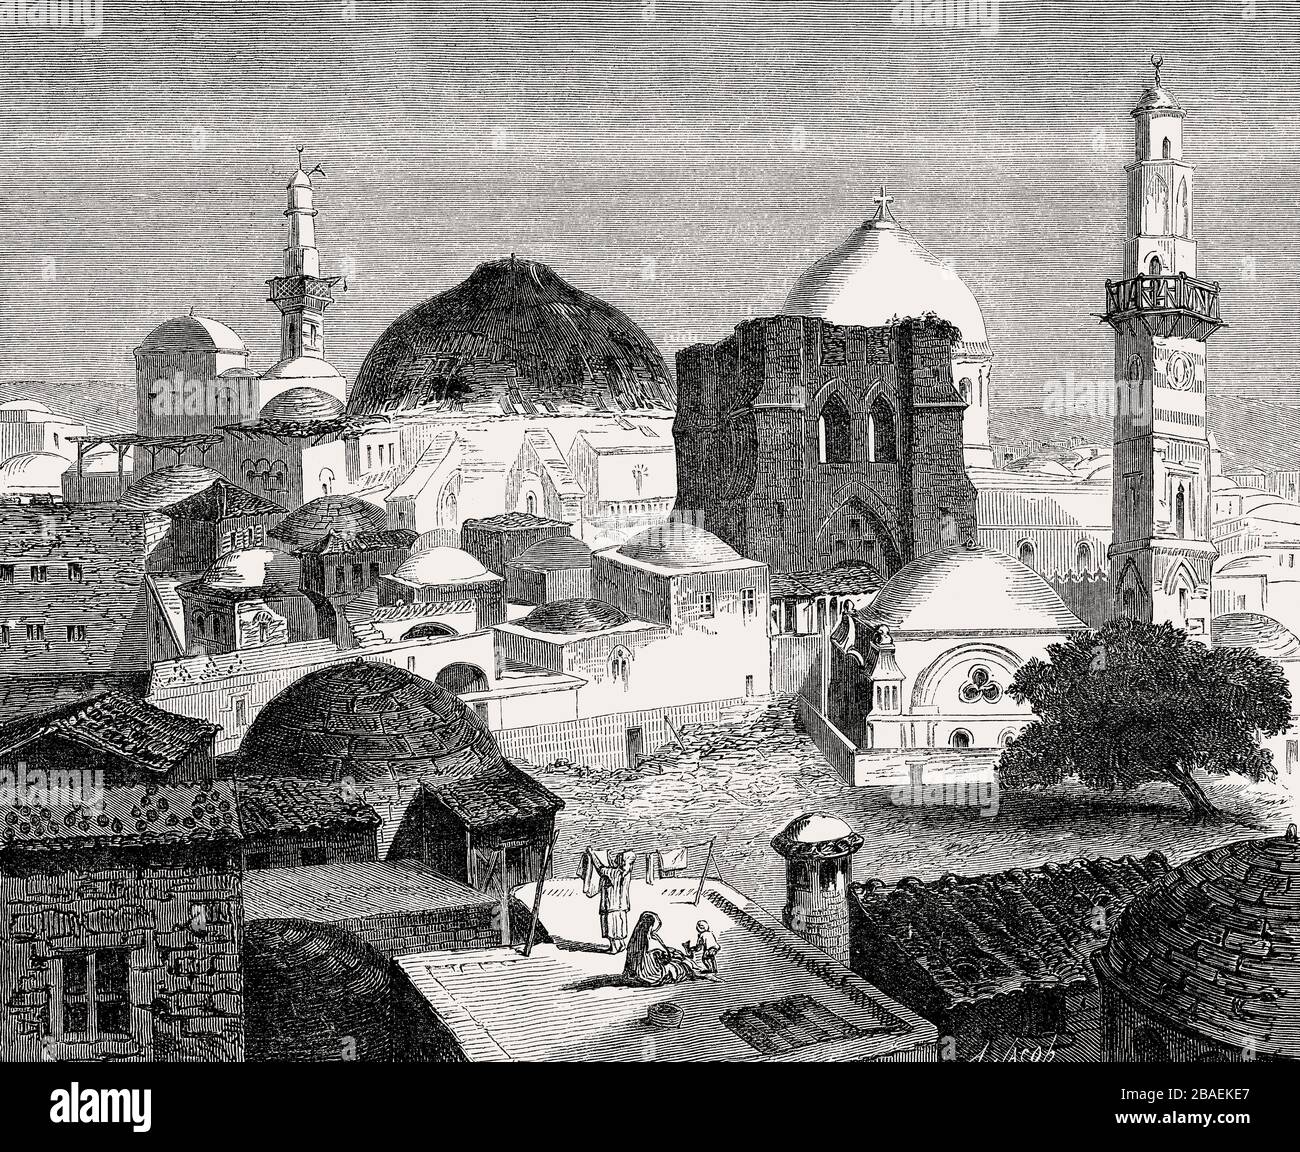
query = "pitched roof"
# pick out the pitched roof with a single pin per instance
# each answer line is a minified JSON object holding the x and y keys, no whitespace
{"x":276,"y":804}
{"x":966,"y":938}
{"x":496,"y":794}
{"x":125,"y":817}
{"x":114,"y":722}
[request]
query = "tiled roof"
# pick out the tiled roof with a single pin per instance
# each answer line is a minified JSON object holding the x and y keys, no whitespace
{"x":514,"y":521}
{"x":966,"y":938}
{"x":850,"y":580}
{"x":125,"y":817}
{"x":496,"y":795}
{"x":1215,"y":947}
{"x":114,"y":722}
{"x":275,"y":804}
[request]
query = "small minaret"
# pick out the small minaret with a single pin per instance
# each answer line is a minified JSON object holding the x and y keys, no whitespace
{"x":818,"y":850}
{"x":302,"y":294}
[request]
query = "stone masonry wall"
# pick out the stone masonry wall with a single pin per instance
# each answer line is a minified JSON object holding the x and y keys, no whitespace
{"x":178,"y":913}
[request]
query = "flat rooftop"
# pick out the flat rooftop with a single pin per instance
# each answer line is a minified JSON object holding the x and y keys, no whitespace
{"x":777,"y":997}
{"x":333,"y":893}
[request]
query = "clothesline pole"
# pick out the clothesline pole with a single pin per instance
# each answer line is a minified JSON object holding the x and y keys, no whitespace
{"x":537,"y":896}
{"x":703,"y":873}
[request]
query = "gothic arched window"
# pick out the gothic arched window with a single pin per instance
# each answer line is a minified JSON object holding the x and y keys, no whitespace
{"x":620,"y":665}
{"x":531,"y":504}
{"x":1083,"y":556}
{"x":1027,"y":553}
{"x":1182,"y":210}
{"x":835,"y":432}
{"x":881,"y":434}
{"x":1166,"y":149}
{"x":1180,"y":512}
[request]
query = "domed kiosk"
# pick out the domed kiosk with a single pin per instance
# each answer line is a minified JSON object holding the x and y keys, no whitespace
{"x":1203,"y":966}
{"x":416,"y":753}
{"x":918,"y":667}
{"x":818,"y":849}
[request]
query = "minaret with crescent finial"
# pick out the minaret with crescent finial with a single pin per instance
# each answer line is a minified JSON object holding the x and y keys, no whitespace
{"x":302,"y":294}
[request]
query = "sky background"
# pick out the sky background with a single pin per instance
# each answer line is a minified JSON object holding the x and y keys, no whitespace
{"x":684,"y":161}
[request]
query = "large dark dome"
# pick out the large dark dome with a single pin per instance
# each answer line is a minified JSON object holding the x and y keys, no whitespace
{"x":513,"y":339}
{"x":368,"y":721}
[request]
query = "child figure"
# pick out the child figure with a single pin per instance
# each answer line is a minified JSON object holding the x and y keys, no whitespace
{"x":706,"y":947}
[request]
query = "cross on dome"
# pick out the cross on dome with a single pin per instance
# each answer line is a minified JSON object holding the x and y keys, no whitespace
{"x":882,"y":203}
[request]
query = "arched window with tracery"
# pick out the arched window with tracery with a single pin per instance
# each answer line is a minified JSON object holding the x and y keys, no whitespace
{"x":835,"y":432}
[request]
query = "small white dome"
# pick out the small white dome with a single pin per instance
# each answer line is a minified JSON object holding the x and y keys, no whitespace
{"x":194,"y":334}
{"x":33,"y":474}
{"x":303,"y":368}
{"x":440,"y":566}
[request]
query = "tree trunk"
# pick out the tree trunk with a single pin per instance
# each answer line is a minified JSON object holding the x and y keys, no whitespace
{"x":1203,"y":812}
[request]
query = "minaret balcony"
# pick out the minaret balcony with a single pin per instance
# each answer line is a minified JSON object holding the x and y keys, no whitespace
{"x":294,"y":293}
{"x":1167,"y":305}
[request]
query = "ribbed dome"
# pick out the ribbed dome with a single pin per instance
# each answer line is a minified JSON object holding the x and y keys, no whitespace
{"x":341,"y":516}
{"x":166,"y":487}
{"x":253,"y":568}
{"x":301,"y":403}
{"x":579,"y":615}
{"x":1263,"y":634}
{"x":314,"y":992}
{"x":1214,"y":948}
{"x":676,"y":544}
{"x":512,"y":339}
{"x":33,"y":473}
{"x":880,"y":272}
{"x":370,"y":721}
{"x":439,"y":566}
{"x":193,"y":334}
{"x":557,"y":552}
{"x":967,"y":589}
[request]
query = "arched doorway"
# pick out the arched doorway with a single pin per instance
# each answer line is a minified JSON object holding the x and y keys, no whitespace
{"x":461,"y":678}
{"x":1156,"y":267}
{"x":960,"y":739}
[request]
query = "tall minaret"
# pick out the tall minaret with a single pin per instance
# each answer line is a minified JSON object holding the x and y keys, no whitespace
{"x":1161,"y":555}
{"x":302,"y":294}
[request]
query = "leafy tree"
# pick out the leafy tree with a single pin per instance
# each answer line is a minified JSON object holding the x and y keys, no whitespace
{"x":1137,"y":702}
